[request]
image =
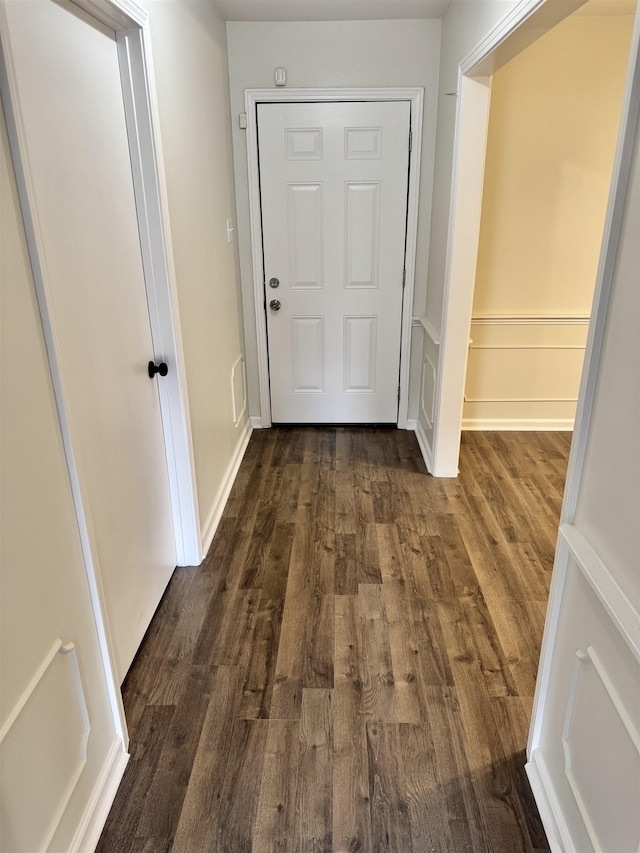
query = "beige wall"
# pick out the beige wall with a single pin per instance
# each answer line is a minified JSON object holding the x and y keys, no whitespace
{"x":552,"y":135}
{"x":333,"y":54}
{"x":190,"y":58}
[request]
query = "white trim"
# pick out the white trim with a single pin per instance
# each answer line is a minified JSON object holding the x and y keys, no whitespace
{"x":252,"y":98}
{"x":472,"y":120}
{"x":97,"y":808}
{"x":215,"y":513}
{"x":256,"y":422}
{"x":423,"y":444}
{"x":238,"y":415}
{"x":530,"y":319}
{"x":555,"y":826}
{"x":115,"y":14}
{"x":517,"y":424}
{"x":586,"y":657}
{"x":520,"y":399}
{"x":430,"y":330}
{"x":412,"y":424}
{"x":473,"y":346}
{"x":136,"y":71}
{"x":619,"y":608}
{"x":30,"y":688}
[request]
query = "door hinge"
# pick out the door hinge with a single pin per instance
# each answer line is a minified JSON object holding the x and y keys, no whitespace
{"x":404,"y":278}
{"x":410,"y":141}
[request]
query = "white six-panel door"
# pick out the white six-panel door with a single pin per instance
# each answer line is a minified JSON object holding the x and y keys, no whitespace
{"x":69,"y":99}
{"x":333,"y":182}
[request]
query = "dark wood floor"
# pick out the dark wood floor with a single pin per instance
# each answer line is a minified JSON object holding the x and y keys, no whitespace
{"x":352,"y":668}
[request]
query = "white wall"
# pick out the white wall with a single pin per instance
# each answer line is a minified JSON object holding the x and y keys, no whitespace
{"x":332,"y":54}
{"x":609,"y":501}
{"x":190,"y":57}
{"x":44,"y":591}
{"x":584,"y":748}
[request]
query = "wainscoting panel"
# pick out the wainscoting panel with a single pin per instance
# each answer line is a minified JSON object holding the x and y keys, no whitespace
{"x":524,"y":372}
{"x":591,"y":732}
{"x":48,"y":728}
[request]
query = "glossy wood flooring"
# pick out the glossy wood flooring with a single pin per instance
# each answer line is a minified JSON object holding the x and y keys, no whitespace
{"x":352,"y":669}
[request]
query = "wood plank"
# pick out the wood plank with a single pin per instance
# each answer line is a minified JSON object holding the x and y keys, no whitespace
{"x":124,"y":817}
{"x":276,"y":811}
{"x":378,"y":689}
{"x":351,"y":806}
{"x":241,"y":786}
{"x":346,"y":565}
{"x":390,"y":828}
{"x":260,"y":677}
{"x":197,"y":828}
{"x":313,"y":829}
{"x":160,"y":814}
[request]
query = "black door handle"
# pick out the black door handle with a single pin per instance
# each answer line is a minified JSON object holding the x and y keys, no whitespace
{"x":161,"y":368}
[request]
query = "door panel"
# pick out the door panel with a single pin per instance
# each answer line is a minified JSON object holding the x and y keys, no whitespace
{"x":334,"y":180}
{"x":70,"y":101}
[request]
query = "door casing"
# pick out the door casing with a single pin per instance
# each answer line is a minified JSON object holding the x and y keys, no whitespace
{"x":253,"y":97}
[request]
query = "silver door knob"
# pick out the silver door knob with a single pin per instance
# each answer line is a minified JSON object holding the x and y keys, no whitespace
{"x":275,"y":305}
{"x":274,"y":282}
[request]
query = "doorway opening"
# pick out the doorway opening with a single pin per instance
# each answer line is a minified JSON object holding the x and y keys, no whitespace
{"x":551,"y":143}
{"x":505,"y":42}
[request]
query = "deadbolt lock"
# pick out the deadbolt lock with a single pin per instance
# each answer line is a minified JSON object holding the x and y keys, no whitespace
{"x":274,"y":282}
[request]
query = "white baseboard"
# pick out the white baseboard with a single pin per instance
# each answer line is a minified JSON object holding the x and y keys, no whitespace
{"x":423,"y":444}
{"x":95,"y":814}
{"x":518,"y":424}
{"x":256,"y":421}
{"x":556,"y":830}
{"x":412,"y":423}
{"x":215,"y":513}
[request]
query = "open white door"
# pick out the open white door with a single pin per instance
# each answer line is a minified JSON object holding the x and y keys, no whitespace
{"x":73,"y":139}
{"x":334,"y":182}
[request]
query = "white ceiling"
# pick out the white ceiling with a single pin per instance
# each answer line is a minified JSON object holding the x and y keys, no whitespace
{"x":329,"y":10}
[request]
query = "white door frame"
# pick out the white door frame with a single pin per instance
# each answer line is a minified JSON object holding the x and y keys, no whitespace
{"x":130,"y":24}
{"x":253,"y":97}
{"x":528,"y":20}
